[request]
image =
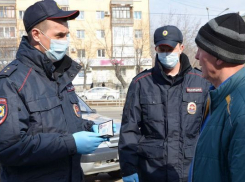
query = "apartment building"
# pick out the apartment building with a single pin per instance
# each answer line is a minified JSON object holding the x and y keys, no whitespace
{"x":8,"y":28}
{"x":109,"y":36}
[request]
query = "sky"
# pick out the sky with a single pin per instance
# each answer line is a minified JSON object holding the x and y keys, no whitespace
{"x":196,"y":9}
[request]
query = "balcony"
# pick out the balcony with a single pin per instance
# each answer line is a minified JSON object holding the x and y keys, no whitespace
{"x":126,"y":2}
{"x":122,"y":21}
{"x":8,"y":2}
{"x":8,"y":21}
{"x":10,"y":42}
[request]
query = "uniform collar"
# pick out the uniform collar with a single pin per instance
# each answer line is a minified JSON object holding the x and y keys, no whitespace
{"x":34,"y":58}
{"x":66,"y":69}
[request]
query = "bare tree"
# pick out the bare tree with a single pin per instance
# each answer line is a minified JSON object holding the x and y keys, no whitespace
{"x":85,"y":53}
{"x":142,"y":45}
{"x":115,"y":54}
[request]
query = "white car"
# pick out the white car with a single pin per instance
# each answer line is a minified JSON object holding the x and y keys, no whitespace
{"x":98,"y":93}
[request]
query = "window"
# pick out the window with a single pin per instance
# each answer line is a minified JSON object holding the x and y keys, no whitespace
{"x":65,"y":8}
{"x":81,"y":15}
{"x":138,"y":34}
{"x":7,"y":32}
{"x":137,"y":15}
{"x":7,"y":12}
{"x":80,"y":34}
{"x":101,"y":53}
{"x":100,"y":14}
{"x":21,"y":14}
{"x":22,"y":33}
{"x":100,"y":33}
{"x":81,"y":53}
{"x":121,"y":12}
{"x":121,"y":32}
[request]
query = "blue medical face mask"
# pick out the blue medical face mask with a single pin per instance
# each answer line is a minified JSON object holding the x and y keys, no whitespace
{"x":57,"y":48}
{"x":168,"y":59}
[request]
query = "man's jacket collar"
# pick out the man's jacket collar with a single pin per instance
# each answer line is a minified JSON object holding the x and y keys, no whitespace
{"x":219,"y":94}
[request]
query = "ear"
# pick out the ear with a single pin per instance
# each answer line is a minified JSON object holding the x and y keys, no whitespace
{"x":219,"y":62}
{"x":156,"y":48}
{"x":35,"y":34}
{"x":182,"y":48}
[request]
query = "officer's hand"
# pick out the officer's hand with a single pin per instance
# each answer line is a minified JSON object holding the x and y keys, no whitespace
{"x":114,"y":128}
{"x":87,"y":142}
{"x":95,"y":128}
{"x":132,"y":178}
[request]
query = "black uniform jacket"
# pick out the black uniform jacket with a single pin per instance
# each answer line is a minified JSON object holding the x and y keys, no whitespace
{"x":161,"y":121}
{"x":40,"y":114}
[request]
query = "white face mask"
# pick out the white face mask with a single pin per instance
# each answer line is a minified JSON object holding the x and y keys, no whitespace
{"x":57,"y":48}
{"x":168,"y":59}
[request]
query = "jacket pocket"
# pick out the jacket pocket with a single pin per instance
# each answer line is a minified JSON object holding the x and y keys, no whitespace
{"x":152,"y":107}
{"x":46,"y":115}
{"x":152,"y":151}
{"x":188,"y":155}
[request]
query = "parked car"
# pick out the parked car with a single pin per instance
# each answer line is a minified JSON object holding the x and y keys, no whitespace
{"x":98,"y":93}
{"x":105,"y":157}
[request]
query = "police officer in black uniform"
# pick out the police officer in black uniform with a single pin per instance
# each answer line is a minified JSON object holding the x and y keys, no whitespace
{"x":42,"y":132}
{"x":162,"y":115}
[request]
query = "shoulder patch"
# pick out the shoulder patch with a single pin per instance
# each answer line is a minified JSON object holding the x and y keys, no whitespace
{"x":70,"y":87}
{"x":8,"y":70}
{"x":3,"y":110}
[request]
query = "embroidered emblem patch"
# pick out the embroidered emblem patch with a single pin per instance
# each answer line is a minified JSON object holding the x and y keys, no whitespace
{"x":164,"y":33}
{"x":77,"y":110}
{"x":70,"y":88}
{"x":3,"y":110}
{"x":194,"y":90}
{"x":191,"y":108}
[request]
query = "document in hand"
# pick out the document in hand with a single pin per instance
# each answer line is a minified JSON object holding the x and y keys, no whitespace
{"x":106,"y":129}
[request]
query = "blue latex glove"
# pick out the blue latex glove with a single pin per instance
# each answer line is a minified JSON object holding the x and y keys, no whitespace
{"x":95,"y":128}
{"x":87,"y":142}
{"x":132,"y":178}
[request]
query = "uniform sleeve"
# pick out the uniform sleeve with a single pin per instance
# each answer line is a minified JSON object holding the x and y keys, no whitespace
{"x":17,"y":146}
{"x":86,"y":125}
{"x":130,"y":133}
{"x":236,"y":154}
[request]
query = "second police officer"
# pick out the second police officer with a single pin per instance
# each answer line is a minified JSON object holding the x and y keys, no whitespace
{"x":162,"y":115}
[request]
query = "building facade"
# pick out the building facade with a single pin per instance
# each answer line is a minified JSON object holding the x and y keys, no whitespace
{"x":8,"y":30}
{"x":110,"y":38}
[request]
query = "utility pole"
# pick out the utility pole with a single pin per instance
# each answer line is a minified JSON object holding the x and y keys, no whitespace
{"x":208,"y":12}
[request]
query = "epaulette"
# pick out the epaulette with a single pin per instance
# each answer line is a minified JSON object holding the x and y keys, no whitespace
{"x":140,"y":73}
{"x":8,"y":70}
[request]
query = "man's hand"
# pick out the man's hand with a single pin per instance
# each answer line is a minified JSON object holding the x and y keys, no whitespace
{"x":132,"y":178}
{"x":87,"y":142}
